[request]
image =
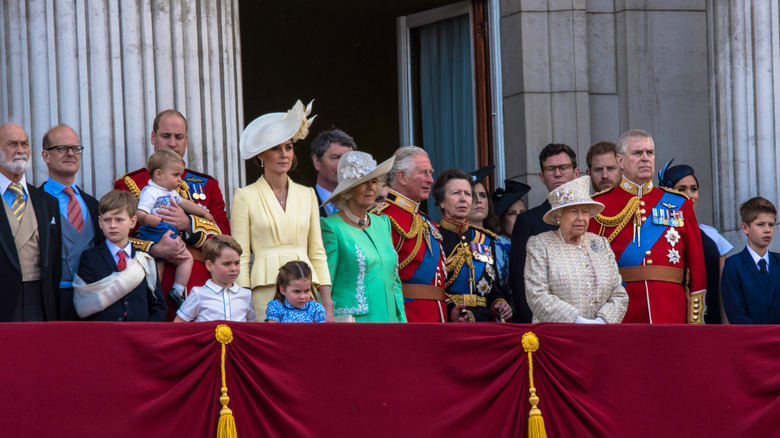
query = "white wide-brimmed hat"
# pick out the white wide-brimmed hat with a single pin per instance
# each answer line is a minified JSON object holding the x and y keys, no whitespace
{"x":273,"y":129}
{"x":355,"y":168}
{"x":572,"y":193}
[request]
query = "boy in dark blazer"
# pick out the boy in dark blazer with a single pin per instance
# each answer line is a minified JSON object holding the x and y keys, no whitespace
{"x":750,"y":286}
{"x":137,"y":301}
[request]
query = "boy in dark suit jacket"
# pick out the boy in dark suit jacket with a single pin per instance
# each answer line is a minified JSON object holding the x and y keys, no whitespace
{"x":750,"y":287}
{"x":115,"y":281}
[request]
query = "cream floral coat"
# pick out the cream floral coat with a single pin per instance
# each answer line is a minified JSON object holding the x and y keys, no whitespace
{"x":563,"y":281}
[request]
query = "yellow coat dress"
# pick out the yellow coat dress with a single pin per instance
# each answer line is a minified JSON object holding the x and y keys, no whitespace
{"x":275,"y":236}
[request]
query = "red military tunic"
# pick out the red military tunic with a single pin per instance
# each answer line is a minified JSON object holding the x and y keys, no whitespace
{"x":421,"y":260}
{"x":204,"y":191}
{"x":655,"y":295}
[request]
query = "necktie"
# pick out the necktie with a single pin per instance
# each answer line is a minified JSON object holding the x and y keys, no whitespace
{"x":762,"y":266}
{"x":18,"y":206}
{"x":74,"y":210}
{"x":122,"y":264}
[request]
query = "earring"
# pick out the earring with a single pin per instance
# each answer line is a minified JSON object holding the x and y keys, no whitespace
{"x":262,"y":164}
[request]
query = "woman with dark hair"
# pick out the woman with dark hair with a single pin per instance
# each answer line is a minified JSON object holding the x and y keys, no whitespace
{"x":473,"y":283}
{"x":683,"y":179}
{"x":275,"y":219}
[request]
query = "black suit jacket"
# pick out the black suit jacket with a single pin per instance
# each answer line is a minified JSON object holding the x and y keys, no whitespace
{"x":140,"y":304}
{"x":747,"y":299}
{"x":323,"y":213}
{"x":48,"y":215}
{"x":527,"y":224}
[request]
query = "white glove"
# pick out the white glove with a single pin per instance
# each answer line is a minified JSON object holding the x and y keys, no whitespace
{"x":581,"y":320}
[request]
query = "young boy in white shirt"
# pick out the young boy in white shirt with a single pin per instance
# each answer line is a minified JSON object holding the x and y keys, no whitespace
{"x":220,"y":298}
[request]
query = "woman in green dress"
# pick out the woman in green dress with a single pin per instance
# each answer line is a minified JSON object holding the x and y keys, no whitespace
{"x":362,"y":261}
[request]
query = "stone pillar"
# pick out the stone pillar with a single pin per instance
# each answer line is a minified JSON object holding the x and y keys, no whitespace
{"x":745,"y":95}
{"x":545,"y":83}
{"x":106,"y":68}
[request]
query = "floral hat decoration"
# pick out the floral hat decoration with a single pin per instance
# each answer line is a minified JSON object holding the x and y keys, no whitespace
{"x":273,"y":129}
{"x":572,"y":193}
{"x":355,"y":168}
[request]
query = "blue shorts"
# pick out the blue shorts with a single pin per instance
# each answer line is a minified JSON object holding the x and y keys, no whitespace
{"x":154,"y":234}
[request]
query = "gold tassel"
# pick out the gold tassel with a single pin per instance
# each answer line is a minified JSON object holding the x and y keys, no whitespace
{"x":226,"y":428}
{"x":535,"y":420}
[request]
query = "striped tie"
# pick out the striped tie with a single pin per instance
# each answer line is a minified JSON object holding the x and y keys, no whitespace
{"x":18,"y":206}
{"x":74,"y":210}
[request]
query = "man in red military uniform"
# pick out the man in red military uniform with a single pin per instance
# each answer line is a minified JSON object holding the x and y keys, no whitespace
{"x":169,"y":131}
{"x":416,"y":238}
{"x":655,"y":236}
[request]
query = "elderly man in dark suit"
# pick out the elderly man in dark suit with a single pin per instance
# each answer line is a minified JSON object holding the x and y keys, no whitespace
{"x":78,"y":210}
{"x":558,"y":164}
{"x":29,"y":236}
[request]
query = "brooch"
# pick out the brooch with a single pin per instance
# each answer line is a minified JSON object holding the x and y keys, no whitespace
{"x":674,"y":256}
{"x":672,"y":236}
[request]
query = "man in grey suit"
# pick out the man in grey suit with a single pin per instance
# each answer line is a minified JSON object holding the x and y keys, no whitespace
{"x":78,"y":210}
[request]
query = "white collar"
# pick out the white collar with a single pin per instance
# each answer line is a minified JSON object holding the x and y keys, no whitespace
{"x":757,"y":257}
{"x":5,"y":182}
{"x":217,"y":289}
{"x":113,"y":249}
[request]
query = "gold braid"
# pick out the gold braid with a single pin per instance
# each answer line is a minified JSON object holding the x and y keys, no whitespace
{"x":132,"y":186}
{"x":460,"y":255}
{"x":620,"y":220}
{"x":184,"y":190}
{"x":416,"y":230}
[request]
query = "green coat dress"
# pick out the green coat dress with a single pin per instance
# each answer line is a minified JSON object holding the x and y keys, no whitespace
{"x":364,"y":270}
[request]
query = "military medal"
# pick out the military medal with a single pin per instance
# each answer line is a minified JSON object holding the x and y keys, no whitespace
{"x":672,"y":236}
{"x":668,"y":218}
{"x":202,"y":194}
{"x":674,"y":256}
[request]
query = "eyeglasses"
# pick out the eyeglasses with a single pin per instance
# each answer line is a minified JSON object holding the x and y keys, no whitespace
{"x":63,"y":149}
{"x":563,"y":168}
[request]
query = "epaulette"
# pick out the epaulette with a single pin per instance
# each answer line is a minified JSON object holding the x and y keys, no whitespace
{"x":602,"y":192}
{"x":676,"y":192}
{"x":485,"y":231}
{"x":143,"y":245}
{"x":132,"y":186}
{"x":379,"y":208}
{"x":202,"y":175}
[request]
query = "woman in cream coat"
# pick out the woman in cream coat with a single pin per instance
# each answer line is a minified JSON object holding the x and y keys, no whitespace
{"x":276,"y":220}
{"x":571,"y":275}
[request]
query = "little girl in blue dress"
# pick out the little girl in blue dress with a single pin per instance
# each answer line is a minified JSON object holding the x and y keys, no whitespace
{"x":292,"y":302}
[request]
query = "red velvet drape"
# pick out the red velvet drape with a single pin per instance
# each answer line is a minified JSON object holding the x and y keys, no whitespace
{"x":389,"y":380}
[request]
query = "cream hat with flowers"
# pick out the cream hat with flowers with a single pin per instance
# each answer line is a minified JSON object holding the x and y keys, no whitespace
{"x":572,"y":193}
{"x":273,"y":129}
{"x":355,"y":168}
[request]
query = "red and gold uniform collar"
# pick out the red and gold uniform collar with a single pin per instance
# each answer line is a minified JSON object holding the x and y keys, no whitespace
{"x":402,"y":201}
{"x":454,"y":226}
{"x":634,"y":188}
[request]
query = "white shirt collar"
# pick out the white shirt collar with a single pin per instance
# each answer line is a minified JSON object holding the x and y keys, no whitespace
{"x":5,"y":182}
{"x":113,"y":249}
{"x":756,"y":257}
{"x":217,"y":289}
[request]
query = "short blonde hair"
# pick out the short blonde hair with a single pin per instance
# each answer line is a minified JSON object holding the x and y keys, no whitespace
{"x":159,"y":159}
{"x":118,"y":200}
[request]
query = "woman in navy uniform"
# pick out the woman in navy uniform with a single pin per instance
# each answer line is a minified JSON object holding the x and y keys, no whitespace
{"x":472,"y":274}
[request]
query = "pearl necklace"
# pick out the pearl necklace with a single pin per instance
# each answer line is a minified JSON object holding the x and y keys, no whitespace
{"x":354,"y":219}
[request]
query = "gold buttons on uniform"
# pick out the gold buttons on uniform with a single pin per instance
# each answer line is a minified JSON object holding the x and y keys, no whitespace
{"x":642,"y":203}
{"x":647,"y":252}
{"x":642,"y":211}
{"x":649,"y":262}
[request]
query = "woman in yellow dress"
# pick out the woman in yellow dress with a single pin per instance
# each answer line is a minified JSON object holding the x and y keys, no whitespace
{"x":274,"y":219}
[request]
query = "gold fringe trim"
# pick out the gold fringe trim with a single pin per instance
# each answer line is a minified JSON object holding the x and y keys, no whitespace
{"x":132,"y":186}
{"x":415,"y":231}
{"x":226,"y":428}
{"x":620,"y":220}
{"x":535,"y":421}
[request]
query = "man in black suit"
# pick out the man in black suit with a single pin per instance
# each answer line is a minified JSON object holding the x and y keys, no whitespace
{"x":78,"y":210}
{"x":558,"y":163}
{"x":326,"y":150}
{"x":29,"y":236}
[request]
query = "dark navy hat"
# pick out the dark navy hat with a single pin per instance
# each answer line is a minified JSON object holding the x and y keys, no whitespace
{"x":511,"y":193}
{"x":670,"y":175}
{"x":479,"y":175}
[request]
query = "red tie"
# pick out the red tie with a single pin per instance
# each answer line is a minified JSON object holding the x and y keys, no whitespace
{"x":74,"y":210}
{"x":122,"y":264}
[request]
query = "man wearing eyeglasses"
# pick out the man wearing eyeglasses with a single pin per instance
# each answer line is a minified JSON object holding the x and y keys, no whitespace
{"x":169,"y":131}
{"x":558,"y":163}
{"x":30,"y":234}
{"x":78,"y":210}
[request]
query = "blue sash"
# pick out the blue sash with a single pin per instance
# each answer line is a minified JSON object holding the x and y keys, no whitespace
{"x":461,"y":283}
{"x":649,"y":232}
{"x":426,"y":271}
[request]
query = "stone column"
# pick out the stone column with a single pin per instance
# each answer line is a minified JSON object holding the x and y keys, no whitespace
{"x":745,"y":95}
{"x":545,"y":83}
{"x":106,"y":68}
